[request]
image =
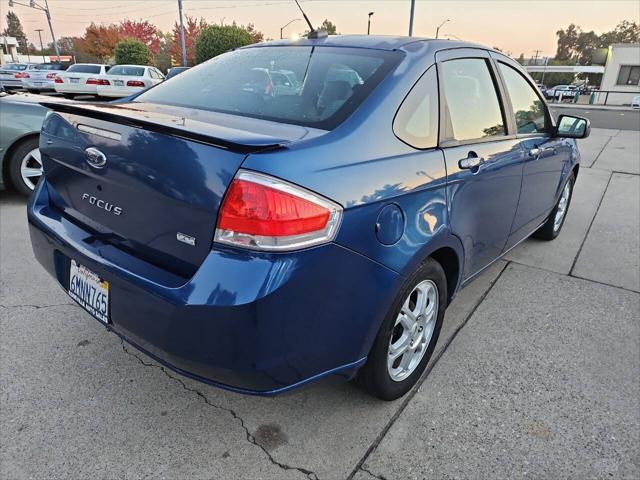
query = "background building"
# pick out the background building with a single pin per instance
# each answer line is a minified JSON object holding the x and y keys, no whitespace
{"x":622,"y":74}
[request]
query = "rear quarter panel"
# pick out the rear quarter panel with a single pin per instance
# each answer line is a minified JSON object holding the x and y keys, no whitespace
{"x":18,"y":121}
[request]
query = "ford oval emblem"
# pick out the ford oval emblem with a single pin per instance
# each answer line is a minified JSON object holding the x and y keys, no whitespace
{"x":95,"y":157}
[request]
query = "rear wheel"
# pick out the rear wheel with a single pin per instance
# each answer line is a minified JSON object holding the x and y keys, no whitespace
{"x":553,"y":226}
{"x":25,"y":166}
{"x":32,"y":90}
{"x":408,"y":335}
{"x":70,"y":96}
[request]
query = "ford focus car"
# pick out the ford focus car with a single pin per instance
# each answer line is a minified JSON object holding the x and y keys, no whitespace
{"x":258,"y":240}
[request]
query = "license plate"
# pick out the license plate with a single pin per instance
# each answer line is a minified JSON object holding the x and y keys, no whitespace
{"x":74,"y":80}
{"x":118,"y":83}
{"x":40,"y":84}
{"x":90,"y":291}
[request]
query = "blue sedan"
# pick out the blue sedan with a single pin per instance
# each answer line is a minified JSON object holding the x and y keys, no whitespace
{"x":258,"y":238}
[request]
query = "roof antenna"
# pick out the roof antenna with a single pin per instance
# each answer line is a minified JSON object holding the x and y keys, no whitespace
{"x":313,"y":33}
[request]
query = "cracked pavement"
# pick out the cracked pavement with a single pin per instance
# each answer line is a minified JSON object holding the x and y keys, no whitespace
{"x":535,"y":374}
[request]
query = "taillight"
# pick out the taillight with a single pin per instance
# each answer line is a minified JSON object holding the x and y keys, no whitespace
{"x":265,"y":213}
{"x":22,"y":75}
{"x":96,"y":81}
{"x":58,"y":80}
{"x":135,"y":83}
{"x":51,"y":75}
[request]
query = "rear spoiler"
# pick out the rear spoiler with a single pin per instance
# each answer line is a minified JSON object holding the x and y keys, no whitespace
{"x":174,"y":126}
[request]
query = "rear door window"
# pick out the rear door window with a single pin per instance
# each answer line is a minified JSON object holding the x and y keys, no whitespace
{"x":80,"y":68}
{"x":472,"y":99}
{"x":416,"y":122}
{"x":528,"y":107}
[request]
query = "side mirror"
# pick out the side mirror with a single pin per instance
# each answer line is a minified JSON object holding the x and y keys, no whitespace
{"x":573,"y":127}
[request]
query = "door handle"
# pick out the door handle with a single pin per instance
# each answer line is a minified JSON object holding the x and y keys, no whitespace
{"x":472,"y":162}
{"x":535,"y":152}
{"x":49,"y":142}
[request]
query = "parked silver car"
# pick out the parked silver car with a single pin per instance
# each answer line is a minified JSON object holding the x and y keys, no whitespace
{"x":11,"y":74}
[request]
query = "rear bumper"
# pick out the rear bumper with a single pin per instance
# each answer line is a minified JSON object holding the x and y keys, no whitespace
{"x":11,"y":83}
{"x":31,"y":84}
{"x":80,"y":89}
{"x":117,"y":92}
{"x":252,"y":323}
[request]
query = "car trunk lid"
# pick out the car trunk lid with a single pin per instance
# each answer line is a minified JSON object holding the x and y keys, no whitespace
{"x":147,"y":179}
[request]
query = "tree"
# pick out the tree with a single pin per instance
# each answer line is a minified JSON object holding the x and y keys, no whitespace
{"x":192,"y":29}
{"x":256,"y":35}
{"x":329,"y":27}
{"x":567,"y":41}
{"x":162,"y":59}
{"x":99,"y":41}
{"x":216,"y":39}
{"x":142,"y":31}
{"x":132,"y":51}
{"x":14,"y":29}
{"x":625,"y":32}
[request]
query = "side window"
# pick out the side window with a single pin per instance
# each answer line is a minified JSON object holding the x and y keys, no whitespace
{"x":416,"y":122}
{"x":527,"y":106}
{"x":472,"y":99}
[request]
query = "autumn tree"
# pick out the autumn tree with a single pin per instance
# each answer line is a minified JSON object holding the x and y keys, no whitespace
{"x":14,"y":29}
{"x":192,"y":29}
{"x":100,"y":41}
{"x":143,"y":31}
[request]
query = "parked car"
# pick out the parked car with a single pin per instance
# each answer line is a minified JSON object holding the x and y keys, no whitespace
{"x":175,"y":71}
{"x":21,"y":117}
{"x":124,"y":80}
{"x":542,"y":88}
{"x":259,"y":242}
{"x":11,"y":74}
{"x":42,"y":77}
{"x":80,"y":79}
{"x":567,"y":91}
{"x":635,"y":103}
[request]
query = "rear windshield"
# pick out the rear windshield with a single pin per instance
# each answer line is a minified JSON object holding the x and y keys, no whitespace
{"x":311,"y":86}
{"x":50,"y":66}
{"x":14,"y":66}
{"x":127,"y":71}
{"x":81,"y":68}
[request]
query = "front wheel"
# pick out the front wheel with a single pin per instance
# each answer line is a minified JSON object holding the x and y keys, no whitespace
{"x":553,"y":226}
{"x":408,"y":334}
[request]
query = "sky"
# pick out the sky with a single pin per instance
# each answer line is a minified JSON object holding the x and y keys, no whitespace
{"x":515,"y":26}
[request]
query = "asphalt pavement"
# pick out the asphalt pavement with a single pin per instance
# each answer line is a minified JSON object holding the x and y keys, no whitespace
{"x":536,"y":373}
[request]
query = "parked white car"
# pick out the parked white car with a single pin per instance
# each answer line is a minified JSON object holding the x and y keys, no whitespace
{"x":11,"y":74}
{"x":567,"y":91}
{"x":41,"y":77}
{"x":635,"y":103}
{"x":124,"y":80}
{"x":80,"y":79}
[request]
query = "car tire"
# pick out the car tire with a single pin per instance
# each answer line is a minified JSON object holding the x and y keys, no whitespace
{"x":70,"y":96}
{"x":383,"y":375}
{"x":25,"y":155}
{"x":34,"y":91}
{"x":555,"y":221}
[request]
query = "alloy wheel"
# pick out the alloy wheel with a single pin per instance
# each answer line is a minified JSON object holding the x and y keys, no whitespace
{"x":413,"y":330}
{"x":562,"y":207}
{"x":31,"y":168}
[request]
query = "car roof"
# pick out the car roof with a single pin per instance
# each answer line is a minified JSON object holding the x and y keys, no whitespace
{"x":378,"y":42}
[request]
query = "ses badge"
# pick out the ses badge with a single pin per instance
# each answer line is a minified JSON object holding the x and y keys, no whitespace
{"x":90,"y":291}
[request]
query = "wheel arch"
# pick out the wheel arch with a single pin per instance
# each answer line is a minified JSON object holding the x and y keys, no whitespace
{"x":447,"y":250}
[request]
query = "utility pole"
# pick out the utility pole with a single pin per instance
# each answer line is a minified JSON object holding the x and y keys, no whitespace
{"x":535,"y":59}
{"x":369,"y":23}
{"x":39,"y":30}
{"x":439,"y":26}
{"x":412,"y":12}
{"x":182,"y":40}
{"x":45,"y":9}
